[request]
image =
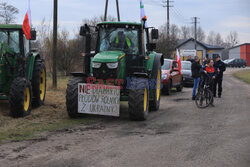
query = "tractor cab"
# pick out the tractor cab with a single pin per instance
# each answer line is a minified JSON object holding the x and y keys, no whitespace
{"x":13,"y":37}
{"x":124,"y":40}
{"x":119,"y":37}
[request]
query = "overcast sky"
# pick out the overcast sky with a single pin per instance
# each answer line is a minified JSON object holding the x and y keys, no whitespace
{"x":218,"y":15}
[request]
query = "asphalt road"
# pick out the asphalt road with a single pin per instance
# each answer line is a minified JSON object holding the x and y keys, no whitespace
{"x":178,"y":134}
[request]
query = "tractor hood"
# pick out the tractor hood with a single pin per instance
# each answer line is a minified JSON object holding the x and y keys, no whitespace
{"x":108,"y":56}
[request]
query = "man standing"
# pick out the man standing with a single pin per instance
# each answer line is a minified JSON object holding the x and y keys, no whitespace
{"x":221,"y":67}
{"x":196,"y":74}
{"x":205,"y":61}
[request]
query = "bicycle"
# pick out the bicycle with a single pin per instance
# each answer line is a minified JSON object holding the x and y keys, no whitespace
{"x":204,"y":96}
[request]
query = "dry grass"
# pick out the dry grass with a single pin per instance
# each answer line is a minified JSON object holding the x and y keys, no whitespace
{"x":51,"y":116}
{"x":243,"y":75}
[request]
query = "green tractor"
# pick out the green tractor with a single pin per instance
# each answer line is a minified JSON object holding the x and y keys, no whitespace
{"x":22,"y":71}
{"x":124,"y":57}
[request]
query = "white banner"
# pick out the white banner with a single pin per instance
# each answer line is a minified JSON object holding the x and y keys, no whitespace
{"x":184,"y":53}
{"x":99,"y":99}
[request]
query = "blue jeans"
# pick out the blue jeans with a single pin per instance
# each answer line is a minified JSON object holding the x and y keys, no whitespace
{"x":196,"y":84}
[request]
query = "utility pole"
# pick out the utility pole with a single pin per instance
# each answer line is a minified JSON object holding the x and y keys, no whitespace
{"x":195,"y":32}
{"x":106,"y":10}
{"x":54,"y":73}
{"x":168,"y":18}
{"x":118,"y":11}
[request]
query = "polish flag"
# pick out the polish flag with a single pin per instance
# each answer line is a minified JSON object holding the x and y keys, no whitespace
{"x":178,"y":59}
{"x":27,"y":23}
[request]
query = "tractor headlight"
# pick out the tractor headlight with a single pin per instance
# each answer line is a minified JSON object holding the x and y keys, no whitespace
{"x":112,"y":65}
{"x":96,"y":65}
{"x":164,"y":76}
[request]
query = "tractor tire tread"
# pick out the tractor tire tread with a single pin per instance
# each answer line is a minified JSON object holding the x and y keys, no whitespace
{"x":72,"y":96}
{"x":38,"y":66}
{"x":16,"y":97}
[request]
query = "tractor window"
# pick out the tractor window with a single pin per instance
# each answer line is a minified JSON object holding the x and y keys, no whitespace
{"x":26,"y":46}
{"x":119,"y":39}
{"x":14,"y":41}
{"x":11,"y":38}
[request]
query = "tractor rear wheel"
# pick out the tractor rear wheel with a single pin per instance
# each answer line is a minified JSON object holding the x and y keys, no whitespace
{"x":156,"y":88}
{"x":20,"y":97}
{"x":72,"y":96}
{"x":39,"y":83}
{"x":138,"y":99}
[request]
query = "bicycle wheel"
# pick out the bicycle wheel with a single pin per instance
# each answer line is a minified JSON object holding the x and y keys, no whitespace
{"x":208,"y":96}
{"x":200,"y":100}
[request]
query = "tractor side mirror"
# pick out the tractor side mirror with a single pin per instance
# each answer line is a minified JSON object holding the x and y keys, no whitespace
{"x":155,"y":34}
{"x":33,"y":35}
{"x":151,"y":46}
{"x":84,"y":30}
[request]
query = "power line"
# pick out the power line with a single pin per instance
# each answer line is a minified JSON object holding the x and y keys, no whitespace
{"x":179,"y":17}
{"x":181,"y":14}
{"x":170,"y":8}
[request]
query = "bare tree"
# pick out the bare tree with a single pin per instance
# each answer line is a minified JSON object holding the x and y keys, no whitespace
{"x":201,"y":36}
{"x":211,"y":38}
{"x":167,"y":45}
{"x":185,"y":32}
{"x":7,"y":13}
{"x":218,"y":40}
{"x":232,"y":38}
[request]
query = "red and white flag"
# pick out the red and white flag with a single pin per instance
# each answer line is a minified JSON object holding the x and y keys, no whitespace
{"x":27,"y":23}
{"x":178,"y":59}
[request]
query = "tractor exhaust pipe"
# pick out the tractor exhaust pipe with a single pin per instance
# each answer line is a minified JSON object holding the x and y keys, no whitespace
{"x":87,"y":54}
{"x":85,"y":31}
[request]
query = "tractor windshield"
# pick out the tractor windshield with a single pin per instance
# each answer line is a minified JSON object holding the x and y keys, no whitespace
{"x":10,"y":37}
{"x":119,"y":39}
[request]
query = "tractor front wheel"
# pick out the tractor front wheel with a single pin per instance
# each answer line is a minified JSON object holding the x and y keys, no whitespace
{"x":72,"y":96}
{"x":20,"y":97}
{"x":138,"y":99}
{"x":39,"y":83}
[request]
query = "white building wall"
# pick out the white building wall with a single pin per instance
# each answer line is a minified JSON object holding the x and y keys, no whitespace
{"x":234,"y":53}
{"x":191,"y":46}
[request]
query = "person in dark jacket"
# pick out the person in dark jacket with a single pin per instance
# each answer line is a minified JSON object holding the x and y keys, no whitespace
{"x":221,"y":67}
{"x":205,"y":61}
{"x":196,"y":75}
{"x":190,"y":59}
{"x":211,"y":71}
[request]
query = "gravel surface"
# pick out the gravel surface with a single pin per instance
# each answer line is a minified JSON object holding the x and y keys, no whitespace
{"x":178,"y":134}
